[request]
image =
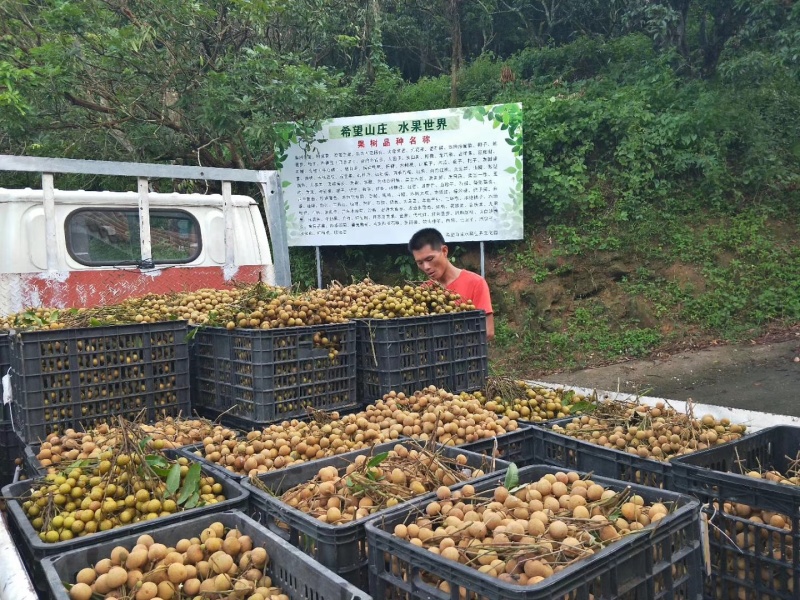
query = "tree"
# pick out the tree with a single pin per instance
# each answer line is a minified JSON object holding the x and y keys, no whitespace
{"x":169,"y":80}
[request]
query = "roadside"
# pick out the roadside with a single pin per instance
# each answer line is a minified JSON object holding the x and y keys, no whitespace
{"x":757,"y":376}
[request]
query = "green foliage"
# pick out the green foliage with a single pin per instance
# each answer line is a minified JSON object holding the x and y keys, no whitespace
{"x":590,"y":335}
{"x":175,"y":80}
{"x":303,"y":264}
{"x":389,"y":93}
{"x":751,"y":278}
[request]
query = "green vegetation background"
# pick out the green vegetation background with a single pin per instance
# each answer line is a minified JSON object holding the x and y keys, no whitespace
{"x":661,"y":138}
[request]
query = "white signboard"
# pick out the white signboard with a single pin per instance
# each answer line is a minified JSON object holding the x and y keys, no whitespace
{"x":377,"y":179}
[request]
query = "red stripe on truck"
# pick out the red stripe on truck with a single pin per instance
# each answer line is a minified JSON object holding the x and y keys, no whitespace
{"x":97,"y":287}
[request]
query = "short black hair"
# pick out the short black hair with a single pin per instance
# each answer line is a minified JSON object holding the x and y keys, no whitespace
{"x":426,"y":237}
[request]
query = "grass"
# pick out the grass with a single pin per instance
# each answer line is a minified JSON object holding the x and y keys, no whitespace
{"x":737,"y":274}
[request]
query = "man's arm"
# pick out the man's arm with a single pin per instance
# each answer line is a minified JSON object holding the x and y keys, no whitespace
{"x":490,"y":327}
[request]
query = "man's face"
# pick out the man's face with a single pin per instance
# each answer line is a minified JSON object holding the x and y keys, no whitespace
{"x":432,"y":262}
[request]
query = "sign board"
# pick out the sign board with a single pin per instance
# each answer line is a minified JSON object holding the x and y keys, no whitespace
{"x":377,"y":179}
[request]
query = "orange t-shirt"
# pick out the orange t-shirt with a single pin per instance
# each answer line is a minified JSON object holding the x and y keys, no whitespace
{"x":471,"y":286}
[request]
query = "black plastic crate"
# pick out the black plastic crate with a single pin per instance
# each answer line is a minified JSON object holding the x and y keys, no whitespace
{"x":571,"y":453}
{"x":298,"y":576}
{"x":341,"y":548}
{"x":770,"y":560}
{"x":470,"y":364}
{"x":32,"y":464}
{"x":659,"y":563}
{"x":5,"y":365}
{"x":407,"y":354}
{"x":33,"y":549}
{"x":255,"y":376}
{"x":11,"y":450}
{"x":514,"y":447}
{"x":80,"y":378}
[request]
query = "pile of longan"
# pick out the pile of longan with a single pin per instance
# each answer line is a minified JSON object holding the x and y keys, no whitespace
{"x":528,"y":534}
{"x":255,"y":307}
{"x":215,"y":564}
{"x":361,"y":489}
{"x":430,"y":414}
{"x":167,"y":433}
{"x":657,"y":432}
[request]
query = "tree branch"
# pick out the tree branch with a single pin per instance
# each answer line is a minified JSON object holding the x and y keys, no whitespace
{"x":88,"y":105}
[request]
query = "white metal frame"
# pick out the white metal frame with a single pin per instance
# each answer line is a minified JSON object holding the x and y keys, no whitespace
{"x":269,"y":182}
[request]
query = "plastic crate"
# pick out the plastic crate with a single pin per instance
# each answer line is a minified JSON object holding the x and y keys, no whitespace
{"x":33,"y":549}
{"x":254,"y":376}
{"x":771,"y":565}
{"x":32,"y":464}
{"x":407,"y":354}
{"x":470,"y":363}
{"x":297,"y":575}
{"x":341,"y":548}
{"x":514,"y":447}
{"x":5,"y":365}
{"x":11,"y":449}
{"x":79,"y":378}
{"x":659,"y":564}
{"x":571,"y":453}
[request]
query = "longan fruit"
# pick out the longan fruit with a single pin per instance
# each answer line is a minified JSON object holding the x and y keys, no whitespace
{"x":176,"y":573}
{"x":136,"y":559}
{"x":80,"y":591}
{"x":220,"y":562}
{"x":148,"y":591}
{"x":166,"y":590}
{"x":116,"y":577}
{"x":191,"y":587}
{"x":86,"y":575}
{"x":260,"y":557}
{"x":156,"y":552}
{"x":213,"y":544}
{"x":557,"y":530}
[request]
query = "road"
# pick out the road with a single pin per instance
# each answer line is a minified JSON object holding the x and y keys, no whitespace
{"x":761,"y":377}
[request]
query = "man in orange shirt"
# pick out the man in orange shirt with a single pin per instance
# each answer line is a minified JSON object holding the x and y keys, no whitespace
{"x":430,"y":254}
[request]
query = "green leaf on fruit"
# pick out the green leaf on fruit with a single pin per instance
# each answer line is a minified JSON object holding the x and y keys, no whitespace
{"x":191,"y":485}
{"x":512,"y":477}
{"x":193,"y":500}
{"x":377,"y":459}
{"x":173,"y":479}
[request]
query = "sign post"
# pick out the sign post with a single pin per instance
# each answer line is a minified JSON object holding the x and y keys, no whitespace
{"x":319,"y":268}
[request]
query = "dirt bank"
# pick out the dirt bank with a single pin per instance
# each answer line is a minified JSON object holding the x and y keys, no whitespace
{"x":756,"y":377}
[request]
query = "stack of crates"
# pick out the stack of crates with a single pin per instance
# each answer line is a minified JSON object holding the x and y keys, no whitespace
{"x":82,"y":377}
{"x":252,"y":377}
{"x":447,"y":351}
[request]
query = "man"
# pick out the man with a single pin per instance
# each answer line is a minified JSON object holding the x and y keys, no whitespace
{"x":430,"y":254}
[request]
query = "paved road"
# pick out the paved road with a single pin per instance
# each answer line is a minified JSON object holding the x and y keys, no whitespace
{"x":755,"y":377}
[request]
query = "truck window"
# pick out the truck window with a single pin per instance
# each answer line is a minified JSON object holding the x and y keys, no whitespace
{"x":104,"y":236}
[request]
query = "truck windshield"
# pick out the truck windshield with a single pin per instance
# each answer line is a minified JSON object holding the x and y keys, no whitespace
{"x":107,"y":237}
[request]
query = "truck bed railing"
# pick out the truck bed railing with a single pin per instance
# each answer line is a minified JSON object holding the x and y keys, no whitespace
{"x":268,"y":181}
